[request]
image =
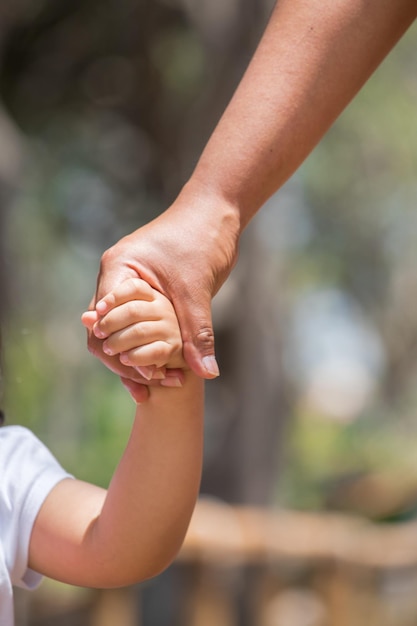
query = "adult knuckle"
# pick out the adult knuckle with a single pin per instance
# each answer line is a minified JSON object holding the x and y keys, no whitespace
{"x":133,"y":284}
{"x":205,"y":337}
{"x":108,"y":257}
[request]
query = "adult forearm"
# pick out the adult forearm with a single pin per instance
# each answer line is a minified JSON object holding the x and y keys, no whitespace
{"x":313,"y":58}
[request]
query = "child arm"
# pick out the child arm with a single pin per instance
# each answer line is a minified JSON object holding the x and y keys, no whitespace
{"x":86,"y":536}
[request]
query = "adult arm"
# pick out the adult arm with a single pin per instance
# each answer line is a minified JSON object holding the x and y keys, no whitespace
{"x":313,"y":58}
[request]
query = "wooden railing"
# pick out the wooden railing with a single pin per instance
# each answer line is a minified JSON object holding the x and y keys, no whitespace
{"x":307,"y":569}
{"x":278,"y":568}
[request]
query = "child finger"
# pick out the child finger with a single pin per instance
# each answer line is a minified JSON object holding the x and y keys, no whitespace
{"x":88,"y":319}
{"x":130,"y":289}
{"x":157,"y":353}
{"x":131,"y":337}
{"x":123,"y":315}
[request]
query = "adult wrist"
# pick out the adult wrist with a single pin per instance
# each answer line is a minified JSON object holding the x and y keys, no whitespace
{"x":214,"y":207}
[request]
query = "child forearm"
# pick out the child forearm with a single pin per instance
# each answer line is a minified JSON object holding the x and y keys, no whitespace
{"x":156,"y":484}
{"x":86,"y":536}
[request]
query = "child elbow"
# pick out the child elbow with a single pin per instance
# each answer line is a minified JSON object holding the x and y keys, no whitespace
{"x":132,"y":572}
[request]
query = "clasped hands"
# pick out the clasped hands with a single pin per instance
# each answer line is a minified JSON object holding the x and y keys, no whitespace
{"x":138,"y":332}
{"x":181,"y":258}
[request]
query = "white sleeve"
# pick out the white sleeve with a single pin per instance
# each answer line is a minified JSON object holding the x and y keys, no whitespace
{"x":28,"y":472}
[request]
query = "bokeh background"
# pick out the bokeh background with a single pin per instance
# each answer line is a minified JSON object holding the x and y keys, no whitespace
{"x":105,"y":107}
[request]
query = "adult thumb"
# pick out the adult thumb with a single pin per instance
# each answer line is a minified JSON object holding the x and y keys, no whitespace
{"x":198,"y":337}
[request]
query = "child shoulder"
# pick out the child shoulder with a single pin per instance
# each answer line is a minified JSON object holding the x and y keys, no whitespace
{"x":15,"y":432}
{"x":20,"y":445}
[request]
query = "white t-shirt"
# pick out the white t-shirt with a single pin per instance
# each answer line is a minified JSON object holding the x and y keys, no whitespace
{"x":28,"y":472}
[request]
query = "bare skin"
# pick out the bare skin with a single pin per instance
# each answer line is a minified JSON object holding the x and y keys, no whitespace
{"x":313,"y":58}
{"x":87,"y":536}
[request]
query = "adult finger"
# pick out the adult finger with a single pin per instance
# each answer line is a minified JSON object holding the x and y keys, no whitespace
{"x":195,"y":321}
{"x":139,"y":393}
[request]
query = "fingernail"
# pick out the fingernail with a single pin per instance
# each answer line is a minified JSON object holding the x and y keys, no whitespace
{"x":210,"y":365}
{"x":101,"y":307}
{"x":107,"y":350}
{"x":171,"y":382}
{"x":158,"y":375}
{"x":145,"y":372}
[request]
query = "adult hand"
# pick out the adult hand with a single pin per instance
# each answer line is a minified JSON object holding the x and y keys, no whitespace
{"x":186,"y":253}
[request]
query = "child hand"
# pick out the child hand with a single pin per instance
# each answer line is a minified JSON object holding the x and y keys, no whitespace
{"x":139,"y":325}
